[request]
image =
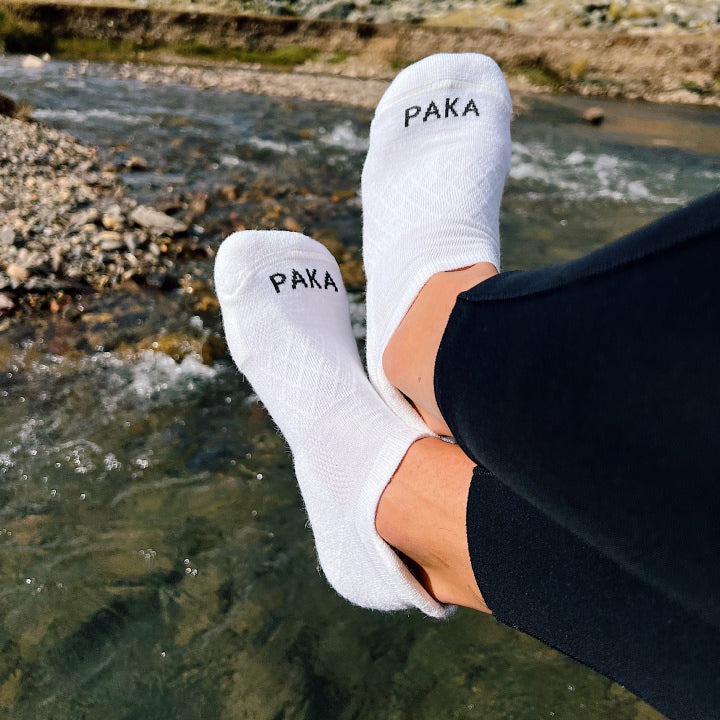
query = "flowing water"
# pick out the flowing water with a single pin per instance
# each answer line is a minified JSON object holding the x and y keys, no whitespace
{"x":154,"y":556}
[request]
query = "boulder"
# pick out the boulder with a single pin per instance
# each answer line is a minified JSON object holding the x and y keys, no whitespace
{"x":156,"y":221}
{"x":594,"y":115}
{"x":8,"y":107}
{"x":33,"y":62}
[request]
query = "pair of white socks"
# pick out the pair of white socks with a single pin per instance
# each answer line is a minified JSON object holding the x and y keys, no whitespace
{"x":431,"y":187}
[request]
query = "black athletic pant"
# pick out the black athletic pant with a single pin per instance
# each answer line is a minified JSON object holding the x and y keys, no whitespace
{"x":589,"y":396}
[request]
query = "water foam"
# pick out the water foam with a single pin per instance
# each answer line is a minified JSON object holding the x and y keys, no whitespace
{"x":580,"y":175}
{"x":280,"y":148}
{"x":154,"y":373}
{"x":343,"y":135}
{"x":80,"y":116}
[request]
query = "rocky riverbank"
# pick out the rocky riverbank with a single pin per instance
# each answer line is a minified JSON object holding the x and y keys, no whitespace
{"x":519,"y":15}
{"x":67,"y":227}
{"x":616,"y":49}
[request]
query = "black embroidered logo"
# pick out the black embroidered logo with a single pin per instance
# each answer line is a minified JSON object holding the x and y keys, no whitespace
{"x":309,"y":280}
{"x":447,"y":110}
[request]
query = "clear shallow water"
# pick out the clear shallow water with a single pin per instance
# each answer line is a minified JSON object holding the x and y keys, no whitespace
{"x":154,"y":558}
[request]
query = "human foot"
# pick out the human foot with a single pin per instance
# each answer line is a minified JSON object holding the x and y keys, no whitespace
{"x":286,"y":320}
{"x":431,"y":189}
{"x":409,"y":357}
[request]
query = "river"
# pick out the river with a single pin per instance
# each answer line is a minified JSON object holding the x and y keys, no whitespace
{"x":154,"y":556}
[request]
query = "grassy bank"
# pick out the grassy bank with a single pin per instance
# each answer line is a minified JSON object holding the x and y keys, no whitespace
{"x":156,"y":52}
{"x":655,"y":66}
{"x":21,"y":36}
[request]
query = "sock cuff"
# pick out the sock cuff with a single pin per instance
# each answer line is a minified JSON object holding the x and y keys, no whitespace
{"x":392,"y":571}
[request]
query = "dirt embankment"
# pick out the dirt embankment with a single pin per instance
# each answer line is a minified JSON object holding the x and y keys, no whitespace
{"x":678,"y":67}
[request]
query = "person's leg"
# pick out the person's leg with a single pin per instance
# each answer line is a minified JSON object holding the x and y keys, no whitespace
{"x":543,"y":579}
{"x":409,"y":357}
{"x":422,"y":515}
{"x":432,"y":183}
{"x":364,"y":476}
{"x":410,"y":354}
{"x":287,"y":324}
{"x":592,"y":392}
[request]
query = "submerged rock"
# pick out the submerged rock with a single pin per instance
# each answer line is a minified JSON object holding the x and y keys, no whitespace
{"x":137,"y":163}
{"x":6,"y":303}
{"x":213,"y":348}
{"x":594,"y":115}
{"x":33,"y":62}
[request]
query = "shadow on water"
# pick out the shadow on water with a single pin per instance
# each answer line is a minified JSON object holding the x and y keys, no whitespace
{"x":154,"y":556}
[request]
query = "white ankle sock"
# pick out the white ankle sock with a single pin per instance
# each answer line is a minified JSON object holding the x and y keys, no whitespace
{"x":287,"y":324}
{"x":431,"y":189}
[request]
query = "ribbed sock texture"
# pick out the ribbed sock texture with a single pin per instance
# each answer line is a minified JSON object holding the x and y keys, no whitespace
{"x":431,"y":189}
{"x":286,"y":320}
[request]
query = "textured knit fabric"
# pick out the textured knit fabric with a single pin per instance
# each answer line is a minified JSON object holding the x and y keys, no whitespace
{"x":591,"y":392}
{"x":431,"y":189}
{"x":287,"y":324}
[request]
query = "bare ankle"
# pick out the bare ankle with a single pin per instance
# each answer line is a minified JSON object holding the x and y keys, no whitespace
{"x":421,"y":514}
{"x":409,"y":358}
{"x":408,"y":370}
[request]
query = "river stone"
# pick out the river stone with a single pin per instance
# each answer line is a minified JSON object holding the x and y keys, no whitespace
{"x":6,"y":303}
{"x":152,"y":219}
{"x":88,"y":216}
{"x":137,"y":163}
{"x":131,"y":243}
{"x":8,"y":106}
{"x":112,"y":222}
{"x":32,"y":62}
{"x":292,"y":225}
{"x":109,"y":240}
{"x":17,"y":272}
{"x":499,"y":23}
{"x":594,"y":115}
{"x":31,"y":260}
{"x":56,"y":258}
{"x":7,"y":236}
{"x":112,"y":218}
{"x":338,"y":11}
{"x":213,"y":348}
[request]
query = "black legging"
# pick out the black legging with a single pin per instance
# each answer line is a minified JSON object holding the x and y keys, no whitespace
{"x":589,"y":395}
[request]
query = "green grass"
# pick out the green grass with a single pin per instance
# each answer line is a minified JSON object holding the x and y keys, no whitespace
{"x":96,"y":49}
{"x":20,"y":36}
{"x":538,"y":75}
{"x":399,"y":63}
{"x":696,"y":88}
{"x":338,"y":57}
{"x":284,"y":57}
{"x":123,"y":50}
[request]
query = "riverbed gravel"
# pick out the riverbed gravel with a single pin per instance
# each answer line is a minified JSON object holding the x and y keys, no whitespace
{"x":67,"y":226}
